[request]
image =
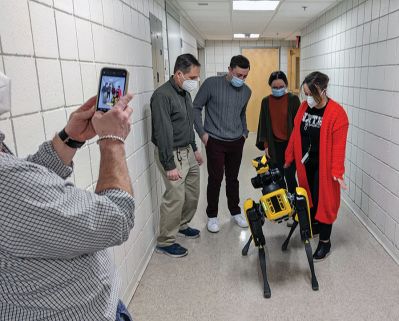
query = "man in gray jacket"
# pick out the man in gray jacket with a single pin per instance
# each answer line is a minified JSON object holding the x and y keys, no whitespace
{"x":225,"y":99}
{"x":176,"y":154}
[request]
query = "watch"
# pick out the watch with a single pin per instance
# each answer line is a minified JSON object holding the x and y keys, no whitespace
{"x":68,"y":141}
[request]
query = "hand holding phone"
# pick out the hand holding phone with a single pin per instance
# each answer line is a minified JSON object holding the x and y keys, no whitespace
{"x":112,"y":86}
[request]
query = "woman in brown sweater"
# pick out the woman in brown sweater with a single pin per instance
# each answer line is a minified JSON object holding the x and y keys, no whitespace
{"x":276,"y":121}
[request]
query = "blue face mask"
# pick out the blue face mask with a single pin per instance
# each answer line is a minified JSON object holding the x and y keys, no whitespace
{"x":278,"y":92}
{"x":237,"y":82}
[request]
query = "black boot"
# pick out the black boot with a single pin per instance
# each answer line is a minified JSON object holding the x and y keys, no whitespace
{"x":322,"y":251}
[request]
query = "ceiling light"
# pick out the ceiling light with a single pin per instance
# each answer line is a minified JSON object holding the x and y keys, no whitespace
{"x":202,"y":3}
{"x":255,"y":5}
{"x":246,"y":35}
{"x":239,"y":35}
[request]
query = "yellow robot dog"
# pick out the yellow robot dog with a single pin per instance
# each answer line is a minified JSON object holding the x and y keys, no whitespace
{"x":277,"y":205}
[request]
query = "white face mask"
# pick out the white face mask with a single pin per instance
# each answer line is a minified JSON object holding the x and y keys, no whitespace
{"x":5,"y":94}
{"x":311,"y":102}
{"x":190,"y":85}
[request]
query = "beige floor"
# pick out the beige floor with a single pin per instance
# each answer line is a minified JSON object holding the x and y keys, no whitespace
{"x":359,"y":281}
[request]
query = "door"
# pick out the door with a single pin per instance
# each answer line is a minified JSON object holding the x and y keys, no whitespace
{"x":294,"y":70}
{"x":263,"y":62}
{"x":157,"y":51}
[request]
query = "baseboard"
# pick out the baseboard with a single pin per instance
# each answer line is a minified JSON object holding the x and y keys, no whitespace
{"x":391,"y":253}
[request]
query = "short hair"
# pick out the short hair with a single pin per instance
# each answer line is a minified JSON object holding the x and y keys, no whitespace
{"x":184,"y":63}
{"x":278,"y":75}
{"x":316,"y":81}
{"x":239,"y":61}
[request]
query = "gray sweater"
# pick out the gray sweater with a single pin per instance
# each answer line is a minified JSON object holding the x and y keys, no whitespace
{"x":172,"y":121}
{"x":225,"y":108}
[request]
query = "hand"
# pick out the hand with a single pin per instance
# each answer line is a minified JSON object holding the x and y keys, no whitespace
{"x":286,"y":165}
{"x":198,"y":158}
{"x":267,"y":153}
{"x":341,"y":183}
{"x":116,"y":121}
{"x":79,"y":126}
{"x":205,"y":138}
{"x":173,"y":175}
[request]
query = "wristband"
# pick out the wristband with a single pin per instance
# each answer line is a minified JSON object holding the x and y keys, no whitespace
{"x":68,"y":141}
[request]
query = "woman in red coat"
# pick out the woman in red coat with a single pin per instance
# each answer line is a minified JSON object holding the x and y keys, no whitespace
{"x":317,"y":145}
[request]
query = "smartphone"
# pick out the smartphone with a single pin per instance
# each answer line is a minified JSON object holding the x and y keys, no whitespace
{"x":113,"y":84}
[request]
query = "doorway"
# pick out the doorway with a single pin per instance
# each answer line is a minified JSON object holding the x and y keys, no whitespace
{"x":263,"y":62}
{"x":294,"y":70}
{"x":157,"y":51}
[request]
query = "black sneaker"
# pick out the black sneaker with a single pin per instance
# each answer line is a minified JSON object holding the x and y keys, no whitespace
{"x":322,"y":251}
{"x":190,"y":233}
{"x":174,"y":250}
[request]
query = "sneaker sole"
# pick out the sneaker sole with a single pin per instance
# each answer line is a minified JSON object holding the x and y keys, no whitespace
{"x":188,"y":237}
{"x":214,"y":232}
{"x":321,"y":260}
{"x":171,"y":255}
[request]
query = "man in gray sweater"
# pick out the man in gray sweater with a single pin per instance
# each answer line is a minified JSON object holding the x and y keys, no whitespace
{"x":225,"y":99}
{"x":176,"y":154}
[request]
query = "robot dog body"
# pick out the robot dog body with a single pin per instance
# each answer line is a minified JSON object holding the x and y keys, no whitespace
{"x":277,"y":205}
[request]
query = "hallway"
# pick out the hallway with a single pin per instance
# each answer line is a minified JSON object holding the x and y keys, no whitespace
{"x":359,"y":281}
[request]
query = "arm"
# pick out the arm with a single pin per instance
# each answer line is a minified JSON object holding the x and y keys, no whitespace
{"x":53,"y":219}
{"x":261,"y":140}
{"x":201,"y":99}
{"x":56,"y":155}
{"x":162,"y":130}
{"x":244,"y":121}
{"x":340,"y":132}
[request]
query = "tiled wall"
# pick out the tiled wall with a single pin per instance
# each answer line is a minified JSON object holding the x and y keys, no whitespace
{"x":219,"y":53}
{"x":357,"y":45}
{"x":53,"y":52}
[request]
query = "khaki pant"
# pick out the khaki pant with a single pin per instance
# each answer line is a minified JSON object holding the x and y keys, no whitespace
{"x":180,"y":200}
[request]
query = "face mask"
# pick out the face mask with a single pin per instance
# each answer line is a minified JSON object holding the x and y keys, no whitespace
{"x":237,"y":82}
{"x":5,"y":94}
{"x":311,"y":102}
{"x":190,"y":85}
{"x":278,"y":92}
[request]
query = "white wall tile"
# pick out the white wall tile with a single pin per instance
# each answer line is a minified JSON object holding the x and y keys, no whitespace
{"x":82,"y":8}
{"x":85,"y":40}
{"x":16,"y":36}
{"x":54,"y":121}
{"x":66,"y":35}
{"x":24,"y":88}
{"x":50,"y":82}
{"x":72,"y":83}
{"x":96,"y":11}
{"x":82,"y":168}
{"x":89,"y":79}
{"x":29,"y":133}
{"x":44,"y":32}
{"x":65,"y":5}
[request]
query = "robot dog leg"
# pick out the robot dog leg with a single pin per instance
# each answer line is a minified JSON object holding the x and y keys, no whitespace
{"x":302,"y":218}
{"x":256,"y":220}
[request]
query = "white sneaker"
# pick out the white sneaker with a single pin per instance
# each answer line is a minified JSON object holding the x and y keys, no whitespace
{"x":213,"y":225}
{"x":240,"y":220}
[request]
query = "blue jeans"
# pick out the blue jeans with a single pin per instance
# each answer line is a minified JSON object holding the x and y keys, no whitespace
{"x":122,"y":314}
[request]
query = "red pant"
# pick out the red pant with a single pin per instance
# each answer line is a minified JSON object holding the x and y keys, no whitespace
{"x":223,"y":157}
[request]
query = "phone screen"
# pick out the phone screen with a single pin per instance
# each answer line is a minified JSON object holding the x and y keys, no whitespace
{"x":112,"y":86}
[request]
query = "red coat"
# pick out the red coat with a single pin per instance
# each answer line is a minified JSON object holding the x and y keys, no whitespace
{"x":333,"y":132}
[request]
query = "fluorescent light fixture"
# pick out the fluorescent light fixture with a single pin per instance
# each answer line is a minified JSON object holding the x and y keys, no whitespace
{"x":255,"y":5}
{"x":246,"y":35}
{"x":239,"y":35}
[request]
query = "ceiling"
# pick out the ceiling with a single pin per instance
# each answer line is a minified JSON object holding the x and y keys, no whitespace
{"x":217,"y":21}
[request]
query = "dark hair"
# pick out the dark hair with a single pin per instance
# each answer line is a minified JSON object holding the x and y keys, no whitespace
{"x":278,"y":75}
{"x":316,"y":81}
{"x":185,"y":62}
{"x":239,"y":61}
